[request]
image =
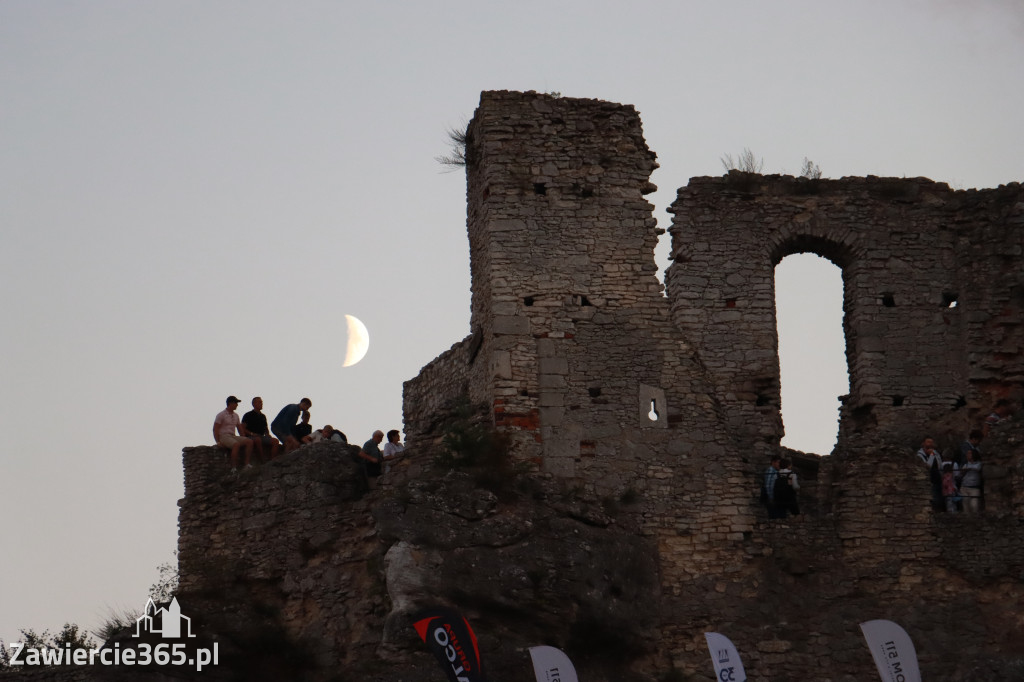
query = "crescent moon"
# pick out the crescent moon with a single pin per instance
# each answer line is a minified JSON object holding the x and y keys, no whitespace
{"x":358,"y":341}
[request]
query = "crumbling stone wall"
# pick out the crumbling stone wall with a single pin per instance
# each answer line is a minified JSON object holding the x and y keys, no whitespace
{"x":283,"y":552}
{"x":578,"y":356}
{"x":612,"y":509}
{"x":575,"y":335}
{"x":579,"y":359}
{"x":430,"y":396}
{"x":932,"y":309}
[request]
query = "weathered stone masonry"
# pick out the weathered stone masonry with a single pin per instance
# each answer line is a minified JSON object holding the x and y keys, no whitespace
{"x":645,"y":420}
{"x":573,"y":340}
{"x":932,"y":294}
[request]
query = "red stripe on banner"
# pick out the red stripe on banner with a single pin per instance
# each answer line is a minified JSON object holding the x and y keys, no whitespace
{"x":421,"y":628}
{"x":472,"y":636}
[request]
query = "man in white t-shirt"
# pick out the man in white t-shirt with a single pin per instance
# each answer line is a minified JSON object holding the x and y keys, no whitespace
{"x":227,"y":434}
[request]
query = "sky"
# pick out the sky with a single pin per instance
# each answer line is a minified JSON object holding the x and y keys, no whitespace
{"x":194,"y":194}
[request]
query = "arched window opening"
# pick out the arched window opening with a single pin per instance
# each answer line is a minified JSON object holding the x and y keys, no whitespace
{"x":812,"y":350}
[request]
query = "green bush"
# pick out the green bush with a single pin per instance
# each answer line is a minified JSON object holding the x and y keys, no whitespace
{"x":471,"y":444}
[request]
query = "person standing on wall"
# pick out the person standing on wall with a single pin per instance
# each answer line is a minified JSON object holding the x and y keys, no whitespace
{"x":970,"y":483}
{"x":371,"y":457}
{"x":392,"y":448}
{"x":972,"y":444}
{"x":931,"y":459}
{"x":786,"y":487}
{"x":771,"y":474}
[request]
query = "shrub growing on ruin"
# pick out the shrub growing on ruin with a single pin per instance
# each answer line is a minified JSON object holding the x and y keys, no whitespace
{"x":456,"y":156}
{"x":471,"y":444}
{"x":746,"y":162}
{"x":810,"y":170}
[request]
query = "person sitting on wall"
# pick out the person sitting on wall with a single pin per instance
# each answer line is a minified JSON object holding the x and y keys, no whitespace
{"x":1002,"y":410}
{"x":786,"y":487}
{"x":224,"y":427}
{"x":334,"y":435}
{"x":287,"y":418}
{"x":303,"y":432}
{"x":254,"y":426}
{"x":329,"y":434}
{"x":370,"y":455}
{"x":771,"y":474}
{"x":931,"y":459}
{"x":971,"y":483}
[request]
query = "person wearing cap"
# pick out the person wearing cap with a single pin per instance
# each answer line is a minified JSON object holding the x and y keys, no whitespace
{"x":227,"y":433}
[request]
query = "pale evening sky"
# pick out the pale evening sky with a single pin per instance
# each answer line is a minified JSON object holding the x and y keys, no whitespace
{"x":194,"y":194}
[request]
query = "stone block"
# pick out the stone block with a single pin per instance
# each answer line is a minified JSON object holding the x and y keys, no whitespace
{"x":552,"y":381}
{"x":501,"y":364}
{"x":551,"y":398}
{"x":553,"y":365}
{"x":552,"y":416}
{"x":506,"y":225}
{"x":546,"y":348}
{"x":510,"y":324}
{"x":562,"y":467}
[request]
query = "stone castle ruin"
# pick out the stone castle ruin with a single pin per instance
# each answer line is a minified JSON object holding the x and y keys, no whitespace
{"x":633,"y":422}
{"x":608,"y":382}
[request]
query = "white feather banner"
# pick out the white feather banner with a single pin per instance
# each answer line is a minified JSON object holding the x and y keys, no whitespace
{"x":552,"y":665}
{"x":892,"y":650}
{"x":728,"y":666}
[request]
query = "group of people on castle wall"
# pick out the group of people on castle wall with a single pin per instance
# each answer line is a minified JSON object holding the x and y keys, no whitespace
{"x":251,"y":435}
{"x":780,"y":488}
{"x":957,"y":480}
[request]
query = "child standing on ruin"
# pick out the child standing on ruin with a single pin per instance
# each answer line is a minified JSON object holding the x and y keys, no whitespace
{"x":949,"y":489}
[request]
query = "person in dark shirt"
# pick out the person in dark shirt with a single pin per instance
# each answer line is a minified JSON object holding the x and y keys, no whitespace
{"x":371,"y":455}
{"x":970,"y":445}
{"x":254,"y":422}
{"x":303,"y":432}
{"x":286,"y":420}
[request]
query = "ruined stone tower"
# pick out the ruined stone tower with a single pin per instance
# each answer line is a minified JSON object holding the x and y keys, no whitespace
{"x":573,"y":348}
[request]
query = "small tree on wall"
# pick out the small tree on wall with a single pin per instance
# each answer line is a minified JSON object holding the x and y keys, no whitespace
{"x":456,"y":156}
{"x":810,"y":170}
{"x":746,"y":162}
{"x":164,"y":589}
